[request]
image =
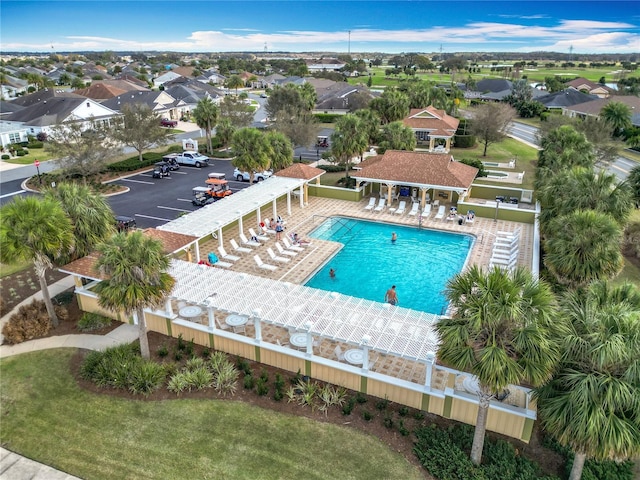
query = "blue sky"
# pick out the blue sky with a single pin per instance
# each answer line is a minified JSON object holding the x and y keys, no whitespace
{"x":296,"y":26}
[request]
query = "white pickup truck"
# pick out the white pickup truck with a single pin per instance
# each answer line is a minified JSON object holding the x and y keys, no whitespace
{"x":191,"y":158}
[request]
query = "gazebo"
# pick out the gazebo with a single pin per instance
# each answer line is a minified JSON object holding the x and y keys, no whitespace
{"x":414,"y":172}
{"x":304,"y":172}
{"x":430,"y":124}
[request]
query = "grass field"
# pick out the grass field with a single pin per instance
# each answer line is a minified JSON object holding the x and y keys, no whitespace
{"x":6,"y":270}
{"x":533,"y":75}
{"x":47,"y":417}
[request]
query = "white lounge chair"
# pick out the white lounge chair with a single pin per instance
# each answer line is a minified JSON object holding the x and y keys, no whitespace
{"x":246,"y":241}
{"x":226,"y":256}
{"x":262,"y":238}
{"x":262,"y":265}
{"x":287,"y":244}
{"x":402,"y":206}
{"x":414,"y":209}
{"x":282,"y":251}
{"x":427,"y":211}
{"x":237,"y":248}
{"x":440,"y":214}
{"x":277,"y":258}
{"x":372,"y":203}
{"x":381,"y":205}
{"x":222,"y":264}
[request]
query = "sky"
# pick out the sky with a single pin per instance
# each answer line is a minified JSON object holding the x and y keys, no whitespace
{"x":305,"y":26}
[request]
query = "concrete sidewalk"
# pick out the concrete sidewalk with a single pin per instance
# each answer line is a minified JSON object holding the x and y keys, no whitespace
{"x":17,"y":467}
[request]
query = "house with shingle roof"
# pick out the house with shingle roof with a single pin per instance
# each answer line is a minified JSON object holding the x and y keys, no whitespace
{"x":432,"y":175}
{"x":51,"y":110}
{"x":159,"y":102}
{"x":564,"y":98}
{"x":592,"y":88}
{"x":165,"y":77}
{"x":432,"y":127}
{"x":594,"y":107}
{"x":99,"y":91}
{"x":335,"y":96}
{"x":188,"y":92}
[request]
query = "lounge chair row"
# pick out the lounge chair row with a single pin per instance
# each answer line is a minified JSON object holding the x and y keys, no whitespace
{"x":505,"y":250}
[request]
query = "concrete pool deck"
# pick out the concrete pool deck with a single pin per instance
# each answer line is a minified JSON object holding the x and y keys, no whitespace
{"x":303,"y":220}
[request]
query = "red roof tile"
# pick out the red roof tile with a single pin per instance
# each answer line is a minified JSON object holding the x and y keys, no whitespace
{"x":301,"y":171}
{"x":432,"y":119}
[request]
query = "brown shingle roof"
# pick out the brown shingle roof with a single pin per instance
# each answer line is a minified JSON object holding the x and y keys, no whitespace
{"x":302,"y":171}
{"x":100,"y":91}
{"x":433,"y":120}
{"x":416,"y":168}
{"x":171,"y":243}
{"x":593,"y":107}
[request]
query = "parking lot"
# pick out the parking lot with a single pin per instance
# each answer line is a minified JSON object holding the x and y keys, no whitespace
{"x":155,"y":201}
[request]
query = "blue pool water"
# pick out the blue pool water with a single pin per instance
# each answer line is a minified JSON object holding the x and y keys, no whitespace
{"x":419,"y":263}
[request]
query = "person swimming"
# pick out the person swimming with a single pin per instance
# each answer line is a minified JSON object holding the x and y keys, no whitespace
{"x":394,"y":237}
{"x":332,"y":273}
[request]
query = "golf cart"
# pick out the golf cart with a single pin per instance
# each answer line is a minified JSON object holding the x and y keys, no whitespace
{"x":201,"y":197}
{"x":161,"y":170}
{"x":322,"y":142}
{"x":218,"y":188}
{"x":124,"y":224}
{"x":172,"y":162}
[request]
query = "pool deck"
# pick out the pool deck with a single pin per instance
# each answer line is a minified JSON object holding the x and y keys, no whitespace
{"x":303,"y":220}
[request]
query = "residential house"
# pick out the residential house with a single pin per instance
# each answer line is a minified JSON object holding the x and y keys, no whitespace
{"x":165,"y":77}
{"x":211,"y":76}
{"x":564,"y":98}
{"x":592,"y":88}
{"x":594,"y":107}
{"x":188,"y":92}
{"x":12,"y":132}
{"x":432,"y":127}
{"x":13,"y":86}
{"x":324,"y":64}
{"x":42,"y":115}
{"x":334,"y":98}
{"x":159,"y":102}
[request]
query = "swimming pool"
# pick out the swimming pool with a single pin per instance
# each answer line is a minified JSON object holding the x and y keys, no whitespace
{"x":419,"y":263}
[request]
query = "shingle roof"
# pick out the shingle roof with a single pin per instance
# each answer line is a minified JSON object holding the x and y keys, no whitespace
{"x":100,"y":91}
{"x":132,"y":98}
{"x":415,"y":168}
{"x":48,"y":112}
{"x":301,"y":171}
{"x":42,"y":95}
{"x":565,"y":98}
{"x":594,"y":106}
{"x":493,"y":85}
{"x":436,"y":121}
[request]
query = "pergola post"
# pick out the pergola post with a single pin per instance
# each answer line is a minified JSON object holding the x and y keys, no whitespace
{"x":308,"y":326}
{"x":258,"y":215}
{"x":168,"y":308}
{"x":389,"y":187}
{"x":197,"y":244}
{"x":211,"y":317}
{"x":304,"y":199}
{"x":430,"y":358}
{"x":220,"y":239}
{"x":274,"y":208}
{"x":430,"y":143}
{"x":423,"y":197}
{"x":288,"y":203}
{"x":365,"y":352}
{"x":256,"y":323}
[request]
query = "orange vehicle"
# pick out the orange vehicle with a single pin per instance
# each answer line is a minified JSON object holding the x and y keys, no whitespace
{"x":218,"y":188}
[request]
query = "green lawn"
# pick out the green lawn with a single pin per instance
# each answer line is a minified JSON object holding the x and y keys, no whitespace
{"x":6,"y":270}
{"x":47,"y":417}
{"x":40,"y":154}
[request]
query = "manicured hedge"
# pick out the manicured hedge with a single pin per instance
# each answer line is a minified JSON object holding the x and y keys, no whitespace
{"x":331,"y":168}
{"x":133,"y":163}
{"x":35,"y":144}
{"x":464,"y":141}
{"x":327,"y":117}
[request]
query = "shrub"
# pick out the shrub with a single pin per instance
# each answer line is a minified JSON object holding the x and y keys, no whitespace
{"x":226,"y":378}
{"x":474,"y":162}
{"x":30,"y":321}
{"x":264,"y":375}
{"x":163,"y":351}
{"x":327,"y":117}
{"x":388,"y":421}
{"x":243,"y":365}
{"x":200,"y":378}
{"x":367,"y":415}
{"x":194,"y":363}
{"x":348,"y":407}
{"x":181,"y":345}
{"x":403,"y":411}
{"x":146,"y":377}
{"x":382,"y":404}
{"x":64,"y":298}
{"x":331,"y":168}
{"x":133,"y":163}
{"x":262,"y":388}
{"x":464,"y":141}
{"x":402,"y":429}
{"x":92,"y":321}
{"x":177,"y":355}
{"x":277,"y":395}
{"x":35,"y":145}
{"x":178,"y":383}
{"x":249,"y":382}
{"x":41,"y":137}
{"x":6,"y":157}
{"x":361,"y":398}
{"x":111,"y":367}
{"x":21,"y":153}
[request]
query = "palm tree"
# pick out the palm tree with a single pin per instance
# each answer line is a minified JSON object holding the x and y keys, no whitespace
{"x":371,"y":123}
{"x":225,"y":131}
{"x":503,"y":330}
{"x":252,"y":151}
{"x":282,"y":150}
{"x":397,"y":136}
{"x":617,"y":115}
{"x":235,"y":82}
{"x":90,"y":214}
{"x":206,"y":115}
{"x":583,"y":246}
{"x":348,"y":140}
{"x":134,"y":267}
{"x":563,"y":148}
{"x":592,"y":404}
{"x":38,"y":230}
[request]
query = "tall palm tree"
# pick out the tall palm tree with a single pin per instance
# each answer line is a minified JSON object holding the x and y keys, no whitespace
{"x":348,"y":140}
{"x":206,"y":115}
{"x":583,"y":246}
{"x":38,"y":230}
{"x":617,"y":115}
{"x":90,"y":215}
{"x":225,"y":131}
{"x":281,"y":148}
{"x":370,"y":123}
{"x":592,"y":403}
{"x":134,"y":267}
{"x":563,"y":148}
{"x":502,"y":330}
{"x":236,"y":82}
{"x":252,"y":151}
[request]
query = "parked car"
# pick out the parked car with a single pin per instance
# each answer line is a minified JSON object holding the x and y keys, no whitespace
{"x":167,"y":122}
{"x":257,"y":177}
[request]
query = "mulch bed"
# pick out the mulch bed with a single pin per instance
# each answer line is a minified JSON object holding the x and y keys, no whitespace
{"x":20,"y":285}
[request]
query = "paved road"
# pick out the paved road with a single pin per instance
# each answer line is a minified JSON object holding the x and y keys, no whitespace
{"x":620,"y":167}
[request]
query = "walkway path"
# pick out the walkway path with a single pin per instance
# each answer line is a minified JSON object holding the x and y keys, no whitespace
{"x":17,"y":467}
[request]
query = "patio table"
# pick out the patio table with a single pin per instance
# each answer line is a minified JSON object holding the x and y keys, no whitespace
{"x":354,"y":356}
{"x":298,"y":339}
{"x":190,"y":311}
{"x":235,"y":320}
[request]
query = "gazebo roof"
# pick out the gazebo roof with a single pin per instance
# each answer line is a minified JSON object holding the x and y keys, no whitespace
{"x":302,"y":171}
{"x":211,"y":218}
{"x":435,"y":170}
{"x":436,"y":121}
{"x":384,"y":328}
